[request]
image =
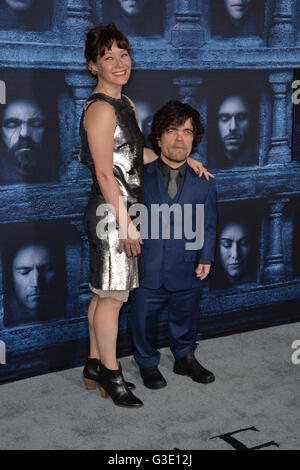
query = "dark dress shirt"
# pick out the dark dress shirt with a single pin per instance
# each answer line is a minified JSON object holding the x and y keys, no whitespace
{"x":164,"y":171}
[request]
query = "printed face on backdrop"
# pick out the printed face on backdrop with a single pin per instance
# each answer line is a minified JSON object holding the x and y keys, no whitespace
{"x":237,"y":18}
{"x":234,"y":249}
{"x":237,"y":9}
{"x":26,"y":15}
{"x":145,"y":113}
{"x":132,"y":7}
{"x":233,"y":125}
{"x":132,"y":16}
{"x":34,"y":277}
{"x":176,"y":142}
{"x":19,"y":5}
{"x":23,"y":132}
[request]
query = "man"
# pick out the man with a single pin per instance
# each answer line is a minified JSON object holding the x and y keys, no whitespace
{"x":174,"y":273}
{"x":237,"y":10}
{"x":132,"y":16}
{"x":19,"y":5}
{"x":296,"y":239}
{"x":133,"y":7}
{"x":145,"y":114}
{"x":33,"y":276}
{"x":237,"y":17}
{"x":234,"y":131}
{"x":25,"y":14}
{"x":34,"y":287}
{"x":23,"y":137}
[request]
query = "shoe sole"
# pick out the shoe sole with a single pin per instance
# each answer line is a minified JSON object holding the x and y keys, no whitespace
{"x":180,"y":372}
{"x":127,"y":406}
{"x":155,"y":388}
{"x":105,"y":394}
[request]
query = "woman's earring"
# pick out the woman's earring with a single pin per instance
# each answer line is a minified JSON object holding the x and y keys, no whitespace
{"x":93,"y":72}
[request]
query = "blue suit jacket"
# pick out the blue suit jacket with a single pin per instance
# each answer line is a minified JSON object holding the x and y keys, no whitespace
{"x":167,"y":261}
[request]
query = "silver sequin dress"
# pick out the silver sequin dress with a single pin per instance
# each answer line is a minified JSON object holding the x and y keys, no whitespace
{"x":109,"y":269}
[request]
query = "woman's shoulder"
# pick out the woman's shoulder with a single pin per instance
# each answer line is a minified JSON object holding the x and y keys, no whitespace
{"x":99,"y":112}
{"x":96,"y":98}
{"x":99,"y":103}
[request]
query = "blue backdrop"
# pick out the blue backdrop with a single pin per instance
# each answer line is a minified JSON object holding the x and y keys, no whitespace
{"x":220,"y":59}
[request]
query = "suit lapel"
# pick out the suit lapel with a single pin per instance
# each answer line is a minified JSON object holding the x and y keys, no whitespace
{"x":152,"y":182}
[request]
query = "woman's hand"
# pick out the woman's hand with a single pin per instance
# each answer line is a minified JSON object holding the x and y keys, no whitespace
{"x":131,"y":241}
{"x":199,"y":168}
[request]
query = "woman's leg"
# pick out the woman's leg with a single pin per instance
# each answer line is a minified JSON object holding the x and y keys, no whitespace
{"x":94,"y":351}
{"x":105,"y":330}
{"x":105,"y":314}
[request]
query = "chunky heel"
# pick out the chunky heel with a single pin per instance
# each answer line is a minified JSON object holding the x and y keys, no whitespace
{"x":90,"y":373}
{"x":90,"y":384}
{"x":104,"y":393}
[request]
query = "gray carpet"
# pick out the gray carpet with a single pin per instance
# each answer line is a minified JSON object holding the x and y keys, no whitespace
{"x":257,"y":386}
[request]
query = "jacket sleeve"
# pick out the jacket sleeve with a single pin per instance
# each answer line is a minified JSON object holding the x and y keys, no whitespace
{"x":207,"y":252}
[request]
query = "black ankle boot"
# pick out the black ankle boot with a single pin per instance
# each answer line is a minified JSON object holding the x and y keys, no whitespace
{"x":112,"y":384}
{"x":188,"y":365}
{"x":91,"y":372}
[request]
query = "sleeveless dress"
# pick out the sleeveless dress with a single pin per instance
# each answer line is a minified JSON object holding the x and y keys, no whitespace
{"x":109,"y":269}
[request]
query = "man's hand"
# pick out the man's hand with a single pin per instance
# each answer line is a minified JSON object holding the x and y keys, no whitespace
{"x":202,"y":271}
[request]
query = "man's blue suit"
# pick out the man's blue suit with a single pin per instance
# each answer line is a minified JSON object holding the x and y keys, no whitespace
{"x":170,"y":279}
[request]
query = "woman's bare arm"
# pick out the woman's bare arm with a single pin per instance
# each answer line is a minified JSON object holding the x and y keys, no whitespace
{"x":149,"y":156}
{"x":100,"y":123}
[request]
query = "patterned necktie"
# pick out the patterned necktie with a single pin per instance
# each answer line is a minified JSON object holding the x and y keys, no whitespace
{"x":172,"y":186}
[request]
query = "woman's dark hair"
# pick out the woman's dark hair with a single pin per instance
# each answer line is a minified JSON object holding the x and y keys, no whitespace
{"x":100,"y":38}
{"x":175,"y":113}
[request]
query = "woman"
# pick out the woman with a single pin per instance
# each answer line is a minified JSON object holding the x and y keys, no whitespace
{"x":113,"y":149}
{"x":236,"y":251}
{"x":235,"y":248}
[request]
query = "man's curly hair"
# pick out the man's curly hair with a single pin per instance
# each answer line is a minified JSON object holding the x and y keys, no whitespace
{"x":175,"y":113}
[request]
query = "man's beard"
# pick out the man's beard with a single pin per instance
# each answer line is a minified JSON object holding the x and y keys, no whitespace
{"x":24,"y":156}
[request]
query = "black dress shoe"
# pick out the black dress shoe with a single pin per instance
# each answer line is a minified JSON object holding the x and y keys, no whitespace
{"x":112,"y":384}
{"x":188,"y":365}
{"x":152,"y":378}
{"x":91,"y":371}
